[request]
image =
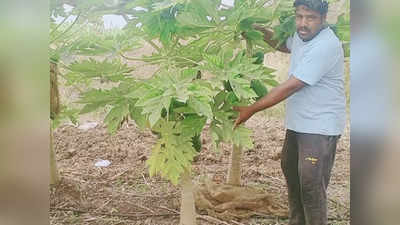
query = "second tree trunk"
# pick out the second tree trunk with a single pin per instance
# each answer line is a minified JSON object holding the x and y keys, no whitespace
{"x":188,"y":212}
{"x":234,"y":167}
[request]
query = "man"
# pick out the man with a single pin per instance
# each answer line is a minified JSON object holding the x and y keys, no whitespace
{"x":315,"y":111}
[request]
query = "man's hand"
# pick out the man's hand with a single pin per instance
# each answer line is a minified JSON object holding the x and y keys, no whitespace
{"x":276,"y":95}
{"x":245,"y":112}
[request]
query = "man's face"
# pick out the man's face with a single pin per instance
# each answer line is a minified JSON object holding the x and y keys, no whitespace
{"x":308,"y":22}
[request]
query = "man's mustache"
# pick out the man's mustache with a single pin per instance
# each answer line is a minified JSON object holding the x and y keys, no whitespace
{"x":303,"y":29}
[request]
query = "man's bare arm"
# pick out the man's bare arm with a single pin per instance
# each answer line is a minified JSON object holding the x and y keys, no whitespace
{"x":268,"y":38}
{"x":276,"y":95}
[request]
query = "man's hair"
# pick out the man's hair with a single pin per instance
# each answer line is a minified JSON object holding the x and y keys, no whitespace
{"x":316,"y":5}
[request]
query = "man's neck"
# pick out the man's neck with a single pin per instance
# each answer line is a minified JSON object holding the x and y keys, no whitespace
{"x":319,"y":31}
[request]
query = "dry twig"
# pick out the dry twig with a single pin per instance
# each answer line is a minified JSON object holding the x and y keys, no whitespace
{"x":212,"y":219}
{"x":131,"y":216}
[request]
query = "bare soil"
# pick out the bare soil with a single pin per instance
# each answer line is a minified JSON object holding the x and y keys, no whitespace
{"x":123,"y":192}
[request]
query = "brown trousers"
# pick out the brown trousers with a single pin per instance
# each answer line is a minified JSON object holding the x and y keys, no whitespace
{"x":307,"y":161}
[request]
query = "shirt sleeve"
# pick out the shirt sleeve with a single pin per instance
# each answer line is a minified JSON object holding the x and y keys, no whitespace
{"x":316,"y":62}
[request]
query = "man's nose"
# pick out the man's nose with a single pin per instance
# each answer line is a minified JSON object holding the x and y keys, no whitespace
{"x":302,"y":22}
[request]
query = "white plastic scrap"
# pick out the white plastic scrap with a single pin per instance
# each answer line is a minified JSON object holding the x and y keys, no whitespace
{"x":87,"y":126}
{"x":102,"y":163}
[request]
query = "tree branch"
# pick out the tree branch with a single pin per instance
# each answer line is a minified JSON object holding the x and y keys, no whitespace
{"x":58,"y":26}
{"x":68,"y":29}
{"x":154,"y":45}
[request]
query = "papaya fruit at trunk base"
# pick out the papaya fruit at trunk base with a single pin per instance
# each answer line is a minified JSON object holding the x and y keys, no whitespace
{"x":260,"y":58}
{"x":196,"y":142}
{"x":227,"y":85}
{"x":174,"y":104}
{"x":198,"y":76}
{"x":259,"y":88}
{"x":163,"y":113}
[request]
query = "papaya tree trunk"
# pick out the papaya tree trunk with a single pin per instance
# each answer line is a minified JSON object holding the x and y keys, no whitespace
{"x":54,"y":110}
{"x":234,"y":172}
{"x":188,"y":212}
{"x":235,"y":167}
{"x":54,"y":93}
{"x":54,"y":177}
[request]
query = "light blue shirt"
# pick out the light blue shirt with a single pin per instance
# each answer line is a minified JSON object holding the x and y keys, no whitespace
{"x":320,"y":106}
